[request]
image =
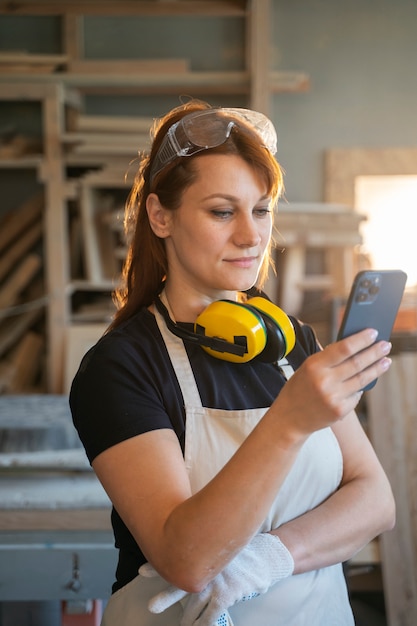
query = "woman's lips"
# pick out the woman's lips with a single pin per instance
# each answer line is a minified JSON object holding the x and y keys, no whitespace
{"x":243,"y":261}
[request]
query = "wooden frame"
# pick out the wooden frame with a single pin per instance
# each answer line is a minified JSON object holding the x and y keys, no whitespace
{"x":342,"y":166}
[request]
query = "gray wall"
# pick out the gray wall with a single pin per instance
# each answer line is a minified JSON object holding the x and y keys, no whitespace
{"x":361,"y":56}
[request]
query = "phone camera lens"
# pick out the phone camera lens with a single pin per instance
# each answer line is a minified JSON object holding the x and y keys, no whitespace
{"x":362,"y":296}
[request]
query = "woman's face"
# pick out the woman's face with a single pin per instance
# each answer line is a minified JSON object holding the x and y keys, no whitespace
{"x":217,"y":238}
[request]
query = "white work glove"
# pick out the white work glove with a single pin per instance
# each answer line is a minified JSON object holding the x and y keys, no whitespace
{"x":262,"y":563}
{"x":171,"y":595}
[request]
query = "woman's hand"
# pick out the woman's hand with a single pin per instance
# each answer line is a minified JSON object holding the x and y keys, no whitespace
{"x":328,"y":385}
{"x":261,"y":564}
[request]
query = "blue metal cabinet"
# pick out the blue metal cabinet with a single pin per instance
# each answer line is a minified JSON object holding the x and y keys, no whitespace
{"x":59,"y":565}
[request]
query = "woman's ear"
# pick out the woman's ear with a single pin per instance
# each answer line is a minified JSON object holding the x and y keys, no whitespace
{"x":159,"y":217}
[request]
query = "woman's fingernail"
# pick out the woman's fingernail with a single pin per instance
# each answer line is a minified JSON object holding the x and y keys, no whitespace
{"x":386,"y":362}
{"x":386,"y":347}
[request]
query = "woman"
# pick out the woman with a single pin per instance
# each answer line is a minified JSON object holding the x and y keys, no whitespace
{"x":238,"y":489}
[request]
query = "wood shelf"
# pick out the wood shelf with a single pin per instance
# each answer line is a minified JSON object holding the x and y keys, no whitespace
{"x":77,"y":173}
{"x":202,"y":82}
{"x":24,"y":162}
{"x":226,"y":8}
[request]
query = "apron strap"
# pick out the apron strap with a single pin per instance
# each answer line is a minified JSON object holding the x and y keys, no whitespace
{"x":180,"y":363}
{"x":286,"y":368}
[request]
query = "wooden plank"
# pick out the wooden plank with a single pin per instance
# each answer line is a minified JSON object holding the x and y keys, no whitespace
{"x":19,"y":248}
{"x":291,"y":275}
{"x":128,"y":66}
{"x":73,"y":35}
{"x":207,"y":82}
{"x":258,"y":57}
{"x":216,"y":81}
{"x":12,"y":329}
{"x":392,"y":414}
{"x":143,"y":88}
{"x":109,"y":149}
{"x":19,"y":88}
{"x":126,"y":7}
{"x":25,"y":362}
{"x":6,"y":374}
{"x":112,"y":175}
{"x":341,"y":263}
{"x":31,"y":59}
{"x":97,"y":161}
{"x":97,"y":239}
{"x":130,"y":139}
{"x":113,"y":124}
{"x":19,"y":279}
{"x":56,"y":233}
{"x":13,"y":69}
{"x":22,"y":62}
{"x":24,"y":162}
{"x":14,"y":222}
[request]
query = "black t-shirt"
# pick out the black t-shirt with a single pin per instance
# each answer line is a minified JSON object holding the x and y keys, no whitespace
{"x":126,"y":386}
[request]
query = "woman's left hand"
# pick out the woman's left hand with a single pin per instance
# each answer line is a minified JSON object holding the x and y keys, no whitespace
{"x":262,"y":563}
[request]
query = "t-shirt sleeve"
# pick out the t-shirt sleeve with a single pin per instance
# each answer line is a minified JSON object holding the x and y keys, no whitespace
{"x":116,"y":394}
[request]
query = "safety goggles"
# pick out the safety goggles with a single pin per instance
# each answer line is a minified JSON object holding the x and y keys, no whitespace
{"x":207,"y":129}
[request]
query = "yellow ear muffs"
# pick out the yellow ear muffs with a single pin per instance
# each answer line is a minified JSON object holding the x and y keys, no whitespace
{"x":234,"y":323}
{"x":281,"y":333}
{"x":259,"y":327}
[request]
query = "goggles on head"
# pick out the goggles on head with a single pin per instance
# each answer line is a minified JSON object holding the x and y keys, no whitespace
{"x":207,"y":129}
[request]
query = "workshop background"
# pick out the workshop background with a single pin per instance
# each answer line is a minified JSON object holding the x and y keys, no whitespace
{"x":80,"y":84}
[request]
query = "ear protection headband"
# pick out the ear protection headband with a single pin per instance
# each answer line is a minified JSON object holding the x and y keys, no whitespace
{"x":239,"y":332}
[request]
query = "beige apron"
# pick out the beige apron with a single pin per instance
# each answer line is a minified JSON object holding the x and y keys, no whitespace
{"x":317,"y":598}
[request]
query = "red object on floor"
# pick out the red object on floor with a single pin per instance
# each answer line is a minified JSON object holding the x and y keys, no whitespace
{"x":91,"y":616}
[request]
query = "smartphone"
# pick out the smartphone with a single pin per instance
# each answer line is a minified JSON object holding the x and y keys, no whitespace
{"x":373,"y":302}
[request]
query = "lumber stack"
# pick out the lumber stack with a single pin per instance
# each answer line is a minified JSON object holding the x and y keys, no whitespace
{"x":97,"y":250}
{"x":106,"y":137}
{"x":22,"y":299}
{"x":109,"y":148}
{"x":101,"y":156}
{"x":104,"y":165}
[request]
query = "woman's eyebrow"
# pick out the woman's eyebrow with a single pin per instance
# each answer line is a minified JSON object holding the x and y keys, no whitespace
{"x":226,"y":196}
